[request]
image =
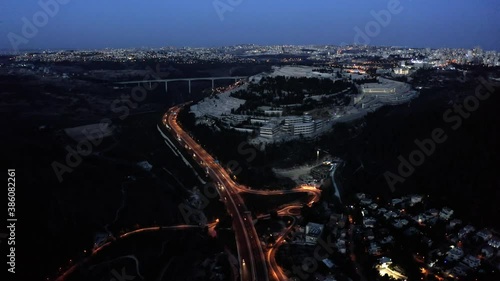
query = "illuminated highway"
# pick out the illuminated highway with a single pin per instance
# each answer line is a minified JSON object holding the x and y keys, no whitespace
{"x":248,"y":243}
{"x":311,"y":190}
{"x":253,"y":265}
{"x":67,"y":273}
{"x":251,"y":257}
{"x":276,"y":271}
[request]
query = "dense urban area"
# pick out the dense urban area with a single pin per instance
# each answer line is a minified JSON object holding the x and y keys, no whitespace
{"x":253,"y":162}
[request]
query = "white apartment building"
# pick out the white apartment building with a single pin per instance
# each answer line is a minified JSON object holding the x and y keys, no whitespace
{"x":268,"y":130}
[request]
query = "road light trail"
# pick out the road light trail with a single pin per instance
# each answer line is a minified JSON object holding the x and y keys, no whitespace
{"x":248,"y":243}
{"x":247,"y":240}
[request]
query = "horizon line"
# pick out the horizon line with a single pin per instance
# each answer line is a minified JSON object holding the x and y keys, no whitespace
{"x":11,"y":52}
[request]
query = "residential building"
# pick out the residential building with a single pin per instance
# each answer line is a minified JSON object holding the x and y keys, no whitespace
{"x":400,"y":223}
{"x":374,"y":249}
{"x":458,"y":271}
{"x":494,"y":242}
{"x":290,"y":121}
{"x":377,"y":89}
{"x":313,"y":232}
{"x":396,"y":201}
{"x":432,"y":213}
{"x":369,"y":234}
{"x":360,"y":196}
{"x":318,"y":125}
{"x":488,"y":252}
{"x":365,"y":201}
{"x":341,"y":246}
{"x":472,"y":262}
{"x":485,"y":234}
{"x":401,"y":71}
{"x":258,"y":120}
{"x":303,"y":129}
{"x":445,"y":213}
{"x":416,"y":199}
{"x":269,"y":130}
{"x":455,"y":222}
{"x":328,"y":263}
{"x":455,"y":253}
{"x":387,"y":239}
{"x":465,"y":231}
{"x":419,"y":218}
{"x":390,"y":214}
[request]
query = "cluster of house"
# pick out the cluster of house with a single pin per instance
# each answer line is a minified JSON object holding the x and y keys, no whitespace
{"x":397,"y":218}
{"x":337,"y":223}
{"x":467,"y":259}
{"x":457,"y":260}
{"x":313,"y":231}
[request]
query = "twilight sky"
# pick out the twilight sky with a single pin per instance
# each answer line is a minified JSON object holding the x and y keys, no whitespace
{"x":83,"y":24}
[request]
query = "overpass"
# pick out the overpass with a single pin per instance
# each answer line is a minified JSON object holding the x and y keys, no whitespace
{"x":189,"y":80}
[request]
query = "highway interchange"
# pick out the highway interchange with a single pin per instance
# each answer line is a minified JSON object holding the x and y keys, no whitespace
{"x":254,"y":265}
{"x":257,"y":263}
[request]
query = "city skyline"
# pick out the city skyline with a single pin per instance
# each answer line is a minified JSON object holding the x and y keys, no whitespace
{"x":251,"y":140}
{"x":94,"y":25}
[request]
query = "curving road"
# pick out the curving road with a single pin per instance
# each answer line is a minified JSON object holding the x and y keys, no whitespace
{"x":276,"y":271}
{"x":253,"y":265}
{"x":253,"y":262}
{"x":67,"y":273}
{"x":311,"y":190}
